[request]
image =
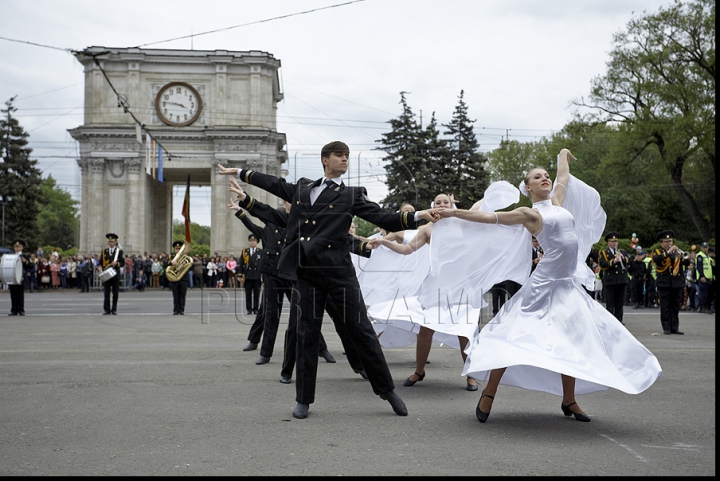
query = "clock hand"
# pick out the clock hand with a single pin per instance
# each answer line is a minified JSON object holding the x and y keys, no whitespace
{"x":179,"y":105}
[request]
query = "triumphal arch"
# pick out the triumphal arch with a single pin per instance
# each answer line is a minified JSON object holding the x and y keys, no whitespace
{"x":202,"y":108}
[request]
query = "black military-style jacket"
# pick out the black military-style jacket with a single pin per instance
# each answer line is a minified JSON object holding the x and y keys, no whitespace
{"x":316,"y":238}
{"x":271,"y":236}
{"x":250,"y":264}
{"x":106,"y":259}
{"x":613,"y":273}
{"x":669,"y":268}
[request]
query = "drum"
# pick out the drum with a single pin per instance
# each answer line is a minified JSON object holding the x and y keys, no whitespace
{"x":107,"y":274}
{"x":11,"y":271}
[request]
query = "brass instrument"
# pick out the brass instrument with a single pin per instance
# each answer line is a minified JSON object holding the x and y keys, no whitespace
{"x":176,"y":272}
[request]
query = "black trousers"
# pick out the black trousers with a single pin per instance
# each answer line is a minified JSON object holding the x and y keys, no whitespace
{"x":274,"y":289}
{"x":290,"y":355}
{"x":637,"y":294}
{"x":252,"y":294}
{"x":114,"y":286}
{"x":179,"y":292}
{"x":17,"y":299}
{"x":670,"y":299}
{"x":313,"y":293}
{"x":615,"y":299}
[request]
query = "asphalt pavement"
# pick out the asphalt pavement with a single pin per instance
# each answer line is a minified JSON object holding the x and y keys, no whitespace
{"x":146,"y":393}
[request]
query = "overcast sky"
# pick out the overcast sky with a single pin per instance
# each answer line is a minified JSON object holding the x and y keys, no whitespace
{"x":343,"y":66}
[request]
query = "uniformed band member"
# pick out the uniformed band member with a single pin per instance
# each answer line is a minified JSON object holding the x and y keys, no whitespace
{"x":17,"y":293}
{"x":316,"y":255}
{"x":537,"y":253}
{"x":112,"y":257}
{"x":179,"y":288}
{"x":614,"y":264}
{"x":250,"y":270}
{"x":670,"y":267}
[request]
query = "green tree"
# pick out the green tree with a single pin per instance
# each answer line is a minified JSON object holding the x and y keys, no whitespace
{"x":199,"y":234}
{"x":405,"y":165}
{"x":439,"y":174}
{"x":58,"y":218}
{"x":19,"y":181}
{"x":660,"y":91}
{"x":466,"y":163}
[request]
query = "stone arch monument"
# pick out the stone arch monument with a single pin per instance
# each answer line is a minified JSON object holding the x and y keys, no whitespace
{"x":232,"y":121}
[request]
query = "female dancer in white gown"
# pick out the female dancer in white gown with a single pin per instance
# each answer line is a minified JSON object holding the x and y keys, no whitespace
{"x":551,"y":336}
{"x":424,"y":334}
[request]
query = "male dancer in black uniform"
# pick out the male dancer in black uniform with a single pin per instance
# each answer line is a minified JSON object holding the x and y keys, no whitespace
{"x":316,"y":255}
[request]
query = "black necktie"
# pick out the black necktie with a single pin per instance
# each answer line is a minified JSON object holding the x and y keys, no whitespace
{"x":330,"y":184}
{"x":252,"y":252}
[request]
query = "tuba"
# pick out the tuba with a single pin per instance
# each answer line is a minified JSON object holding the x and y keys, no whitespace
{"x":185,"y":262}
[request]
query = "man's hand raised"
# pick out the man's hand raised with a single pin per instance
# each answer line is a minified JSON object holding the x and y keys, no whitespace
{"x":226,"y":170}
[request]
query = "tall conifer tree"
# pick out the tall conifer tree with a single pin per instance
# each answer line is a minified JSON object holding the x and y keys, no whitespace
{"x":19,"y":180}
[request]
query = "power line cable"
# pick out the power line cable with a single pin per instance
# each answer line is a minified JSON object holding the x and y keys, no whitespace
{"x":250,"y":23}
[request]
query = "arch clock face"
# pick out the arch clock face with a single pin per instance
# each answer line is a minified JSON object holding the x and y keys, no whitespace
{"x":178,"y":104}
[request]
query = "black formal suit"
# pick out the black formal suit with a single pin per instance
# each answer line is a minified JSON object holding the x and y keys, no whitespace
{"x":17,"y":291}
{"x":670,"y":281}
{"x":615,"y":280}
{"x":273,"y":236}
{"x":112,"y":284}
{"x":316,"y":254}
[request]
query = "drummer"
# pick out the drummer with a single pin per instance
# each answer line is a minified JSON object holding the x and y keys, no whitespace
{"x":17,"y":294}
{"x":112,"y":257}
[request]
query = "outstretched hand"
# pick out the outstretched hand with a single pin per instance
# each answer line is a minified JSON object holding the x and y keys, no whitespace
{"x":444,"y":213}
{"x":226,"y":170}
{"x":430,"y":215}
{"x":235,"y":187}
{"x":374,"y":243}
{"x":233,"y":205}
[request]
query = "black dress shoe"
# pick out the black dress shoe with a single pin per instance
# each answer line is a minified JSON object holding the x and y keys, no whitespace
{"x":175,"y":313}
{"x":470,"y":386}
{"x":480,"y":415}
{"x":327,"y":356}
{"x":23,"y":313}
{"x":567,"y":412}
{"x":363,"y":374}
{"x":13,"y":314}
{"x":407,"y":382}
{"x":666,"y":332}
{"x":284,"y":380}
{"x":251,"y":346}
{"x":181,"y":313}
{"x":671,"y":332}
{"x":397,"y":404}
{"x":106,"y":313}
{"x":114,"y":313}
{"x":262,"y":360}
{"x":301,"y":411}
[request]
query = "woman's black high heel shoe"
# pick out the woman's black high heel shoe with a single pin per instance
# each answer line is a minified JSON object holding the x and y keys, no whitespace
{"x":482,"y":417}
{"x":567,"y":412}
{"x":408,"y":382}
